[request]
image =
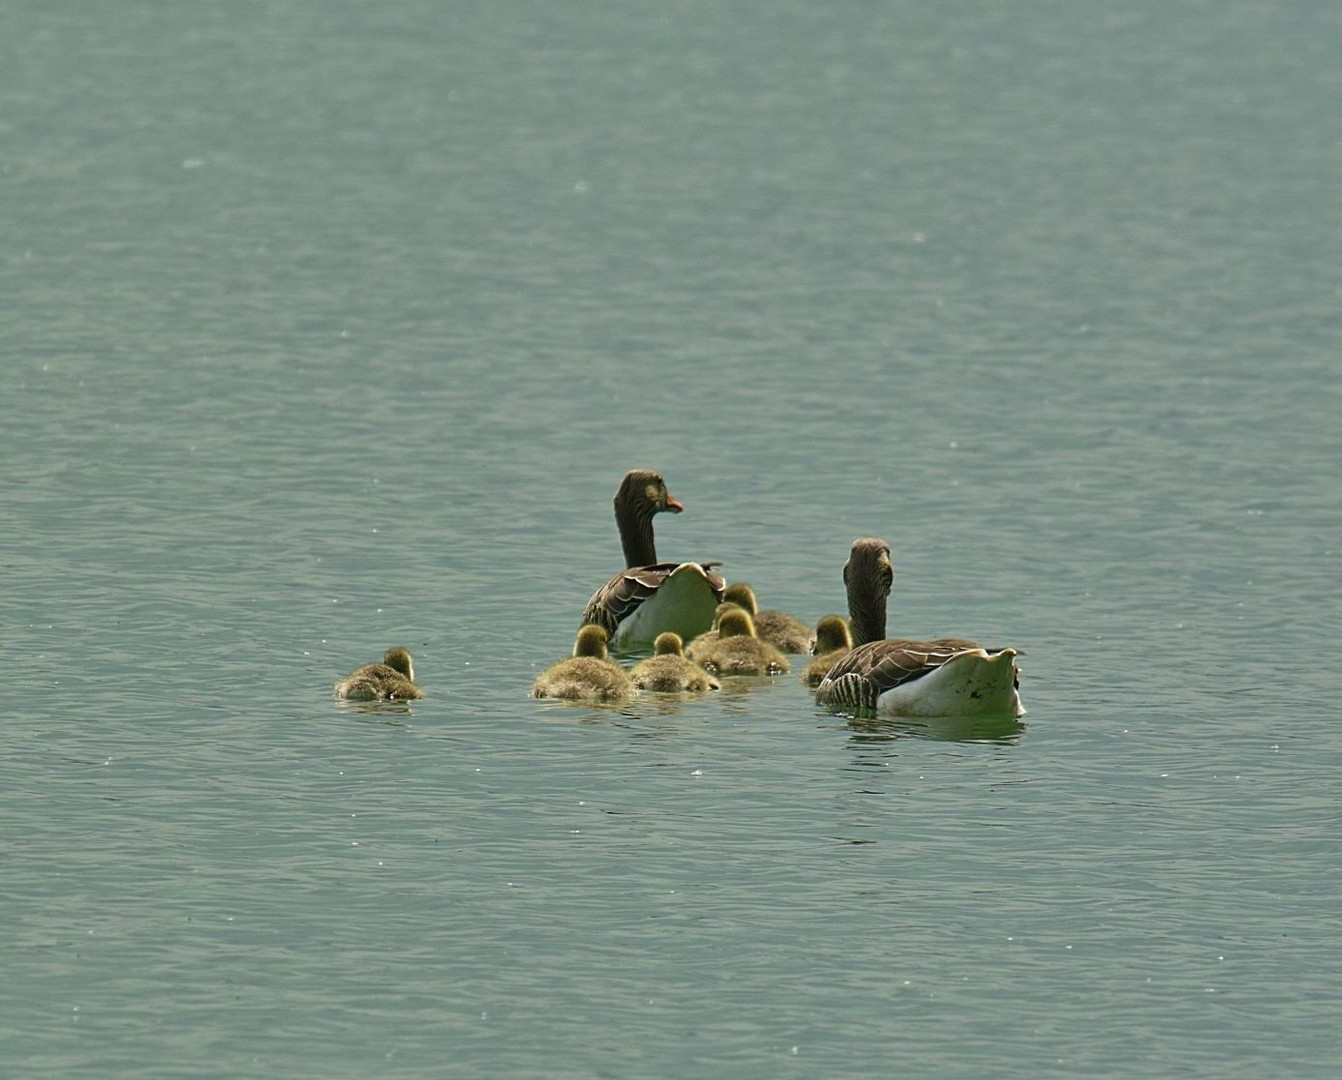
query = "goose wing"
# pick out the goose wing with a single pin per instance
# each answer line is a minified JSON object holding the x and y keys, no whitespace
{"x":621,"y":596}
{"x":867,"y":672}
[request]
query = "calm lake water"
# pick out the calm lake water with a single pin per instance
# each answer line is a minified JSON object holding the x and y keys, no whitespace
{"x":332,"y":326}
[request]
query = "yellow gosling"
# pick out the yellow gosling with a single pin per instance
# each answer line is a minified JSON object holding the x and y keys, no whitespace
{"x":832,"y":642}
{"x":588,"y":675}
{"x":391,"y":680}
{"x":739,"y":652}
{"x":669,"y":671}
{"x":784,"y":632}
{"x":698,"y":648}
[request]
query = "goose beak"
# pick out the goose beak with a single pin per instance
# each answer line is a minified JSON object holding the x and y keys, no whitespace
{"x":673,"y":504}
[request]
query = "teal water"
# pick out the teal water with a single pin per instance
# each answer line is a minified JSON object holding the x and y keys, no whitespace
{"x":333,"y":326}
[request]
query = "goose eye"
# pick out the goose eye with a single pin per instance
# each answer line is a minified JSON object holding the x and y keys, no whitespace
{"x":653,"y":493}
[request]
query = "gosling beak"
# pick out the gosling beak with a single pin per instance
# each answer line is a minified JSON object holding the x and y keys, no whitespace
{"x":673,"y":504}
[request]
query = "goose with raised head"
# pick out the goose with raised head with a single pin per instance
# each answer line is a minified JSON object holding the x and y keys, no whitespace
{"x":391,"y":680}
{"x":784,"y":632}
{"x":738,"y":651}
{"x":588,"y":675}
{"x":942,"y":677}
{"x":833,"y":640}
{"x":668,"y":669}
{"x":647,"y":597}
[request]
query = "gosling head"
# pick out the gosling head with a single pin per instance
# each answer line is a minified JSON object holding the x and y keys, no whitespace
{"x":668,"y":644}
{"x":742,"y":595}
{"x":399,"y":659}
{"x":591,"y":641}
{"x":831,"y":635}
{"x":722,"y":609}
{"x":737,"y":623}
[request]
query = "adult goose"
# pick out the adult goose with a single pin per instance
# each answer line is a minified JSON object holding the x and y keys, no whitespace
{"x":668,"y":670}
{"x":833,"y":640}
{"x":391,"y":680}
{"x":943,"y":677}
{"x":647,"y":597}
{"x":784,"y":632}
{"x":738,"y":651}
{"x":588,"y":675}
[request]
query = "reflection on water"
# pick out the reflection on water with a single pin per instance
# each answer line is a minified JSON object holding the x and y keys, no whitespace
{"x":564,"y":711}
{"x":1004,"y":730}
{"x":738,"y":689}
{"x":391,"y":713}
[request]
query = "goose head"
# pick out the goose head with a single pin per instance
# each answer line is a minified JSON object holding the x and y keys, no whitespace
{"x":868,"y":575}
{"x":742,"y":595}
{"x":668,"y":644}
{"x":399,"y":660}
{"x":591,"y":641}
{"x":831,"y":635}
{"x":641,"y":495}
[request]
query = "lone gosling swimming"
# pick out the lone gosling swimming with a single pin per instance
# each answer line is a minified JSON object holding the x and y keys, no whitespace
{"x":391,"y":680}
